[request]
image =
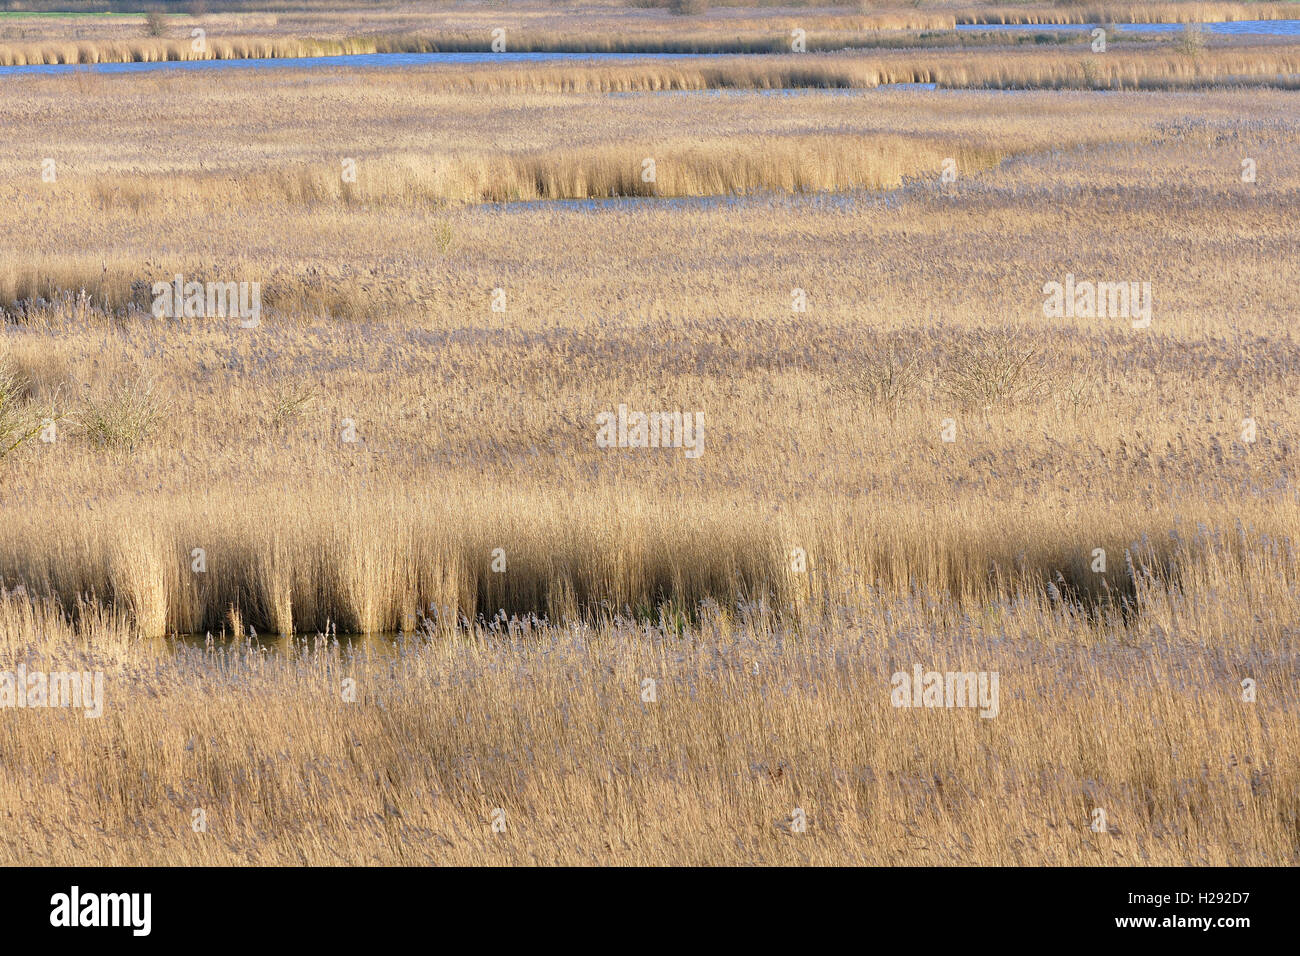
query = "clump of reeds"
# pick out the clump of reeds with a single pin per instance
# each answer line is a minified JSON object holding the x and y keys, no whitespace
{"x":662,"y":743}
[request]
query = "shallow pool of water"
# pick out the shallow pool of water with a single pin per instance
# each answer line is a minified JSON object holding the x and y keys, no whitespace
{"x":356,"y":60}
{"x":396,"y":60}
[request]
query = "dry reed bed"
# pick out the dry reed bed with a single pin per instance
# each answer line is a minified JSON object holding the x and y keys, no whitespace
{"x":1119,"y":690}
{"x":377,"y":556}
{"x":454,"y":148}
{"x":696,"y":167}
{"x":1154,"y":68}
{"x":539,"y":28}
{"x":1160,"y":67}
{"x":1194,"y":12}
{"x":748,"y":723}
{"x":482,"y":440}
{"x":240,"y":183}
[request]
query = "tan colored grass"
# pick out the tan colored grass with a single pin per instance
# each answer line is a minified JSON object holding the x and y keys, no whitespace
{"x":542,"y":27}
{"x":1121,"y":689}
{"x":748,"y":725}
{"x":1194,"y":12}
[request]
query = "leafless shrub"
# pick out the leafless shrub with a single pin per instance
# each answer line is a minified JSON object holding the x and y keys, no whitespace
{"x":889,"y":381}
{"x":996,"y":370}
{"x":1192,"y":41}
{"x":125,"y":418}
{"x":155,"y":24}
{"x":688,"y":8}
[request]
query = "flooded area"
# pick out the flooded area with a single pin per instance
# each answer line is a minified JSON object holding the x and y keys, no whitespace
{"x":359,"y":60}
{"x":1281,"y":28}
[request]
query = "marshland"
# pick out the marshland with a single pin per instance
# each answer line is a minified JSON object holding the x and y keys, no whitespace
{"x":359,"y":574}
